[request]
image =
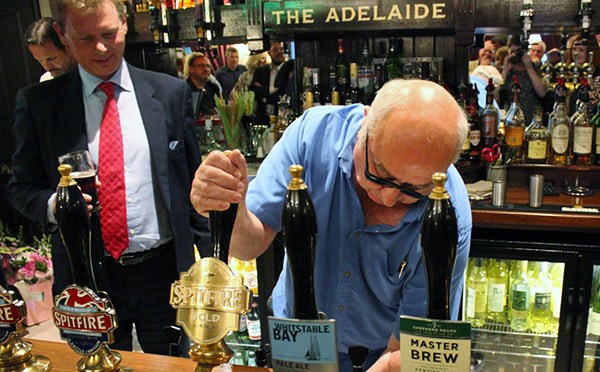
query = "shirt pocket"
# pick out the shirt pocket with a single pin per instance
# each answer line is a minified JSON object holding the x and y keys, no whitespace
{"x":176,"y":150}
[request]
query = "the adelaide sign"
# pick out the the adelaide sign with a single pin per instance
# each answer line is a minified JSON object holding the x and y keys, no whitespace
{"x":357,"y":15}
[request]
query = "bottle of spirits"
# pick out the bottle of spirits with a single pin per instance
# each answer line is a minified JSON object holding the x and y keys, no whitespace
{"x":474,"y":124}
{"x":489,"y":117}
{"x":353,"y":93}
{"x":497,"y":290}
{"x":541,"y":293}
{"x":306,"y":86}
{"x":366,"y":81}
{"x":536,"y":138}
{"x":465,"y":150}
{"x":439,"y":236}
{"x":515,"y":126}
{"x":342,"y":69}
{"x":582,"y":130}
{"x":519,"y":298}
{"x":595,"y":122}
{"x":558,"y":126}
{"x":557,"y":273}
{"x":332,"y":86}
{"x":477,"y":294}
{"x":392,"y":67}
{"x":316,"y":87}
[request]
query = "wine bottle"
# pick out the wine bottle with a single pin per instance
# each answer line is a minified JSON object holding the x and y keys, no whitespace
{"x":519,"y":298}
{"x":474,"y":124}
{"x":332,"y":86}
{"x":595,"y":122}
{"x":558,"y":126}
{"x":582,"y":130}
{"x":253,"y":321}
{"x":536,"y":139}
{"x":556,"y":278}
{"x":497,"y":290}
{"x":392,"y":67}
{"x":73,"y":221}
{"x":299,"y":228}
{"x":465,"y":150}
{"x":342,"y":69}
{"x":353,"y":93}
{"x":477,"y":294}
{"x":489,"y":117}
{"x":541,"y":292}
{"x":515,"y":126}
{"x":316,"y":87}
{"x":439,"y":244}
{"x":366,"y":81}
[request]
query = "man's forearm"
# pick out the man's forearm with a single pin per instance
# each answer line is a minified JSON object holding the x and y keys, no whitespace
{"x":250,"y":237}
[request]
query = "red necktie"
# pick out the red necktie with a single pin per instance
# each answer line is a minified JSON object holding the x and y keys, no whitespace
{"x":111,"y":174}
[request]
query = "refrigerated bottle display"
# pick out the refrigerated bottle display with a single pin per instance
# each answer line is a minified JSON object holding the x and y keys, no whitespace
{"x":520,"y":327}
{"x":591,"y":356}
{"x":477,"y":287}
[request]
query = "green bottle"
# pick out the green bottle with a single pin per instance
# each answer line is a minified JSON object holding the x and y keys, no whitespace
{"x":497,"y":290}
{"x":477,"y":287}
{"x":519,"y":298}
{"x":392,"y":67}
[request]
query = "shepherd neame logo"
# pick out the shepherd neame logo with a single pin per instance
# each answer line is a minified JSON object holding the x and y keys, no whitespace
{"x":367,"y":13}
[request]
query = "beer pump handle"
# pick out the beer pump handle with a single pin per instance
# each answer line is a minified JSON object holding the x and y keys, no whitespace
{"x":439,"y":244}
{"x":299,"y":228}
{"x":221,"y":227}
{"x":73,"y":221}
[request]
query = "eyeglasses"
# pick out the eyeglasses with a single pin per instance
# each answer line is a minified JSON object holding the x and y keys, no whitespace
{"x":201,"y":65}
{"x":382,"y":181}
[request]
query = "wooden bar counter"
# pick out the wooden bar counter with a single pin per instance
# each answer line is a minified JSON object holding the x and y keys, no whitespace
{"x":64,"y":359}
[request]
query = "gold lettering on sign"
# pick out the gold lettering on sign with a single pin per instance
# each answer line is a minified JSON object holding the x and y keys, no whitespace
{"x":424,"y":8}
{"x":307,"y":16}
{"x":363,"y":14}
{"x":407,"y":11}
{"x":348,"y":14}
{"x":332,"y":15}
{"x":375,"y":16}
{"x":395,"y":12}
{"x":277,"y":14}
{"x":438,"y":10}
{"x":293,"y":15}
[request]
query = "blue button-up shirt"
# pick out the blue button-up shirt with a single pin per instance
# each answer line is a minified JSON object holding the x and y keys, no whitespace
{"x":358,"y":276}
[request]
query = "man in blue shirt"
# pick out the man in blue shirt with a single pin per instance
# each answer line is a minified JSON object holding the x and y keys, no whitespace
{"x":368,"y":266}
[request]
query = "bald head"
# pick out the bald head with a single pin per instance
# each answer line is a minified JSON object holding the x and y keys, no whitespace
{"x":419,"y":118}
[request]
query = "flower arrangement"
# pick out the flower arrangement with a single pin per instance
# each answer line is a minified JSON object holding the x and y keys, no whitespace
{"x":20,"y":261}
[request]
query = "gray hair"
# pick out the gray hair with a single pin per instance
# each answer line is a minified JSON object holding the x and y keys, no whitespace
{"x":58,"y":8}
{"x":388,"y":101}
{"x":41,"y":32}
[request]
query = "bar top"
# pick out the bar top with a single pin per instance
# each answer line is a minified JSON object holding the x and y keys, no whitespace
{"x":516,"y":214}
{"x":64,"y":359}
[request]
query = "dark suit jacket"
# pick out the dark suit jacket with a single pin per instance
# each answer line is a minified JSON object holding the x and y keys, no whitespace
{"x":50,"y":121}
{"x":262,"y":75}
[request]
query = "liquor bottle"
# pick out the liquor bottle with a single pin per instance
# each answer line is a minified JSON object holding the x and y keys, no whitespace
{"x":536,"y":139}
{"x":497,"y":290}
{"x":582,"y":130}
{"x":328,"y":99}
{"x":558,"y":126}
{"x":366,"y":81}
{"x":73,"y":221}
{"x":392,"y":67}
{"x":299,"y":228}
{"x":477,"y":294}
{"x":342,"y":69}
{"x":595,"y":122}
{"x":307,"y":88}
{"x":489,"y":117}
{"x":253,"y":321}
{"x":556,"y":279}
{"x":378,"y":77}
{"x":353,"y":95}
{"x":316,"y":87}
{"x":519,"y":298}
{"x":465,"y":150}
{"x":474,"y":124}
{"x":515,"y":125}
{"x":251,"y":276}
{"x":439,"y":243}
{"x":541,"y":292}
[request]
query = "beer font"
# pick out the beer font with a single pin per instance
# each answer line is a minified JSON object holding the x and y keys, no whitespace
{"x":439,"y":244}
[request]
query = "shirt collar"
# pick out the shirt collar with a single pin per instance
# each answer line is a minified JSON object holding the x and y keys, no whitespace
{"x":120,"y":78}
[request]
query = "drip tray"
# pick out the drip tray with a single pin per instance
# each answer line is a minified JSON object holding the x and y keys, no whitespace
{"x":577,"y":191}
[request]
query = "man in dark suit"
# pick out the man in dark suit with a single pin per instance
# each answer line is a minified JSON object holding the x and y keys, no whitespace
{"x":263,"y":85}
{"x":157,"y":159}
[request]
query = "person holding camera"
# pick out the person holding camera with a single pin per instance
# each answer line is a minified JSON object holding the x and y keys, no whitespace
{"x":518,"y":63}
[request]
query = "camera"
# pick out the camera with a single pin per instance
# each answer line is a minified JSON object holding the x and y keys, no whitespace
{"x":517,"y":57}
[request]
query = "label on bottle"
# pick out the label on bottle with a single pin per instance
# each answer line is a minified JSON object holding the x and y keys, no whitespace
{"x":365,"y":76}
{"x":537,"y":149}
{"x":475,"y":137}
{"x":582,"y":140}
{"x":597,"y":140}
{"x":541,"y":299}
{"x":490,"y":125}
{"x":560,"y":138}
{"x":520,"y":297}
{"x":514,"y":135}
{"x":556,"y":298}
{"x":466,"y":144}
{"x":254,"y":329}
{"x":471,"y":302}
{"x":594,"y":323}
{"x":496,"y":296}
{"x":481,"y":298}
{"x":243,"y":323}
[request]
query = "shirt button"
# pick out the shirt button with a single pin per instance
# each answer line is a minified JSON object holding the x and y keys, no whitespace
{"x":347,"y":273}
{"x":357,"y":234}
{"x":132,"y":232}
{"x":129,"y":200}
{"x":341,"y":307}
